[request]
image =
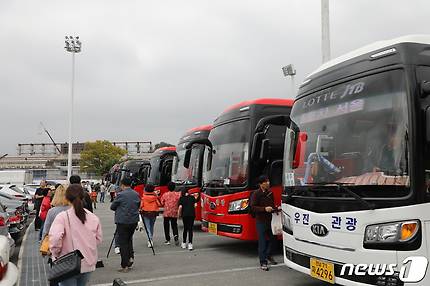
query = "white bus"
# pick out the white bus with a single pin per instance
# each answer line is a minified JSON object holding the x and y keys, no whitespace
{"x":356,"y":202}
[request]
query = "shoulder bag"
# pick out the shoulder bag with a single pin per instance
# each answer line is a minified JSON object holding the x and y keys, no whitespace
{"x":44,"y":246}
{"x":66,"y":266}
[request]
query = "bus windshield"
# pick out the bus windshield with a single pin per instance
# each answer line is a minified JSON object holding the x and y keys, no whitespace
{"x":154,"y":174}
{"x":182,"y":175}
{"x":354,"y":133}
{"x":230,"y":154}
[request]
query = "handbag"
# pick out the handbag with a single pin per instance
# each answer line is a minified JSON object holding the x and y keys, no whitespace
{"x":66,"y":266}
{"x":44,"y":246}
{"x":276,"y":224}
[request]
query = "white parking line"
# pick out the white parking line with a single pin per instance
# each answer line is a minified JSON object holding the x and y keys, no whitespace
{"x":186,"y":275}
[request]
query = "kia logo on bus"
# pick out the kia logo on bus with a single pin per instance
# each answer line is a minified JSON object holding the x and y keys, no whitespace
{"x":319,"y":229}
{"x":212,"y":205}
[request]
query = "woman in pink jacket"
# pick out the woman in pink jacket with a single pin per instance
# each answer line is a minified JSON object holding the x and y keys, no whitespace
{"x":74,"y":229}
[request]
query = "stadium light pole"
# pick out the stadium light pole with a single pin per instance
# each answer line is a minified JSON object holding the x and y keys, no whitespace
{"x":73,"y":45}
{"x":289,"y":70}
{"x":325,"y":31}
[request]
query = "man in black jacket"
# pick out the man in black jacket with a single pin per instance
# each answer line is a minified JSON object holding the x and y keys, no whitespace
{"x":262,"y":204}
{"x":88,"y":204}
{"x":126,"y":206}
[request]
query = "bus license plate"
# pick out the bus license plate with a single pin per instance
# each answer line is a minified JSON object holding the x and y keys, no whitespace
{"x":212,"y":228}
{"x":322,"y":270}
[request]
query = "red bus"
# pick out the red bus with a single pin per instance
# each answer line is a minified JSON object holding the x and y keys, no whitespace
{"x":161,"y":168}
{"x":188,"y":164}
{"x":247,"y":140}
{"x":137,"y":170}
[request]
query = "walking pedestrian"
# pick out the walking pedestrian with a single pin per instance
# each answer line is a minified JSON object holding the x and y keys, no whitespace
{"x":38,"y":197}
{"x":75,"y":179}
{"x":187,"y":211}
{"x":59,"y":204}
{"x":126,"y":207}
{"x":102,"y":193}
{"x":44,"y":208}
{"x":76,"y":228}
{"x":170,"y":201}
{"x":262,"y":204}
{"x":149,"y":207}
{"x":93,"y":196}
{"x":112,"y":192}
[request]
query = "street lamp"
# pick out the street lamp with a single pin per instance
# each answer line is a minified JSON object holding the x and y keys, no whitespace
{"x":290,"y":71}
{"x":73,"y":45}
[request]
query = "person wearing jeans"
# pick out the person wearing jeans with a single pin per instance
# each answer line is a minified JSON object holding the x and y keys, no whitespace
{"x":126,"y":207}
{"x":262,"y":204}
{"x":170,"y":202}
{"x":149,"y":207}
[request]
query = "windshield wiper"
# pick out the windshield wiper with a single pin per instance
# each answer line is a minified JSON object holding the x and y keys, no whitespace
{"x":290,"y":195}
{"x":344,"y":187}
{"x":218,"y":183}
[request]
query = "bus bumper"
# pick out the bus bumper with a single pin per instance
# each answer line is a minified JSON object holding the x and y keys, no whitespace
{"x":243,"y":229}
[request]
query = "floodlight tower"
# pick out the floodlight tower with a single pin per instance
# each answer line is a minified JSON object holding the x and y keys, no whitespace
{"x":289,"y":70}
{"x":73,"y":45}
{"x":325,"y":31}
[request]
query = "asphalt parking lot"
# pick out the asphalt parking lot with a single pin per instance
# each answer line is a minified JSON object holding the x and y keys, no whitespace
{"x":214,"y":261}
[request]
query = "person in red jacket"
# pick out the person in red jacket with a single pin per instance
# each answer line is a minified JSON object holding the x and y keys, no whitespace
{"x":44,"y":208}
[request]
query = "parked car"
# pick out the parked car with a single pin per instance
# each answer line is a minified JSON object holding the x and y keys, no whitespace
{"x":8,"y":270}
{"x":4,"y":228}
{"x":31,"y":189}
{"x":27,"y":195}
{"x":17,"y":216}
{"x":12,"y":192}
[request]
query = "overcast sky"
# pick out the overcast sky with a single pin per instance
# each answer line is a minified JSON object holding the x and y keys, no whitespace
{"x":150,"y":70}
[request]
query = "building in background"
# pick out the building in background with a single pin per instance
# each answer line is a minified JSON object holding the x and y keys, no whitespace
{"x":47,"y":160}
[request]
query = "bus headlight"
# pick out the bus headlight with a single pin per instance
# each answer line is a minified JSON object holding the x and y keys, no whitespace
{"x":391,"y":233}
{"x":286,"y":223}
{"x":238,"y":206}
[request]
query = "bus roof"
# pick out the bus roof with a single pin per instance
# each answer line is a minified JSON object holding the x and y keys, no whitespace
{"x":261,"y":101}
{"x":200,"y":128}
{"x":419,"y":39}
{"x":162,"y":149}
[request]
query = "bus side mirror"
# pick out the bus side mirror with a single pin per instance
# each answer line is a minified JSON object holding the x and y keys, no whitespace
{"x":209,"y":162}
{"x":257,"y":144}
{"x":187,"y":158}
{"x":425,"y":88}
{"x":264,"y":151}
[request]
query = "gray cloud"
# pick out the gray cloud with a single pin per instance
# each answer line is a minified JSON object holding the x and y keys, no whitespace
{"x":150,"y":70}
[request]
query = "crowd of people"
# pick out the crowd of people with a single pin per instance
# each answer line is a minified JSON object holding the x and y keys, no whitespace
{"x":69,"y":208}
{"x":65,"y":224}
{"x":139,"y":210}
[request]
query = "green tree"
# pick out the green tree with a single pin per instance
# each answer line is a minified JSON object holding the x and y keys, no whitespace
{"x":162,"y":144}
{"x":98,"y":157}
